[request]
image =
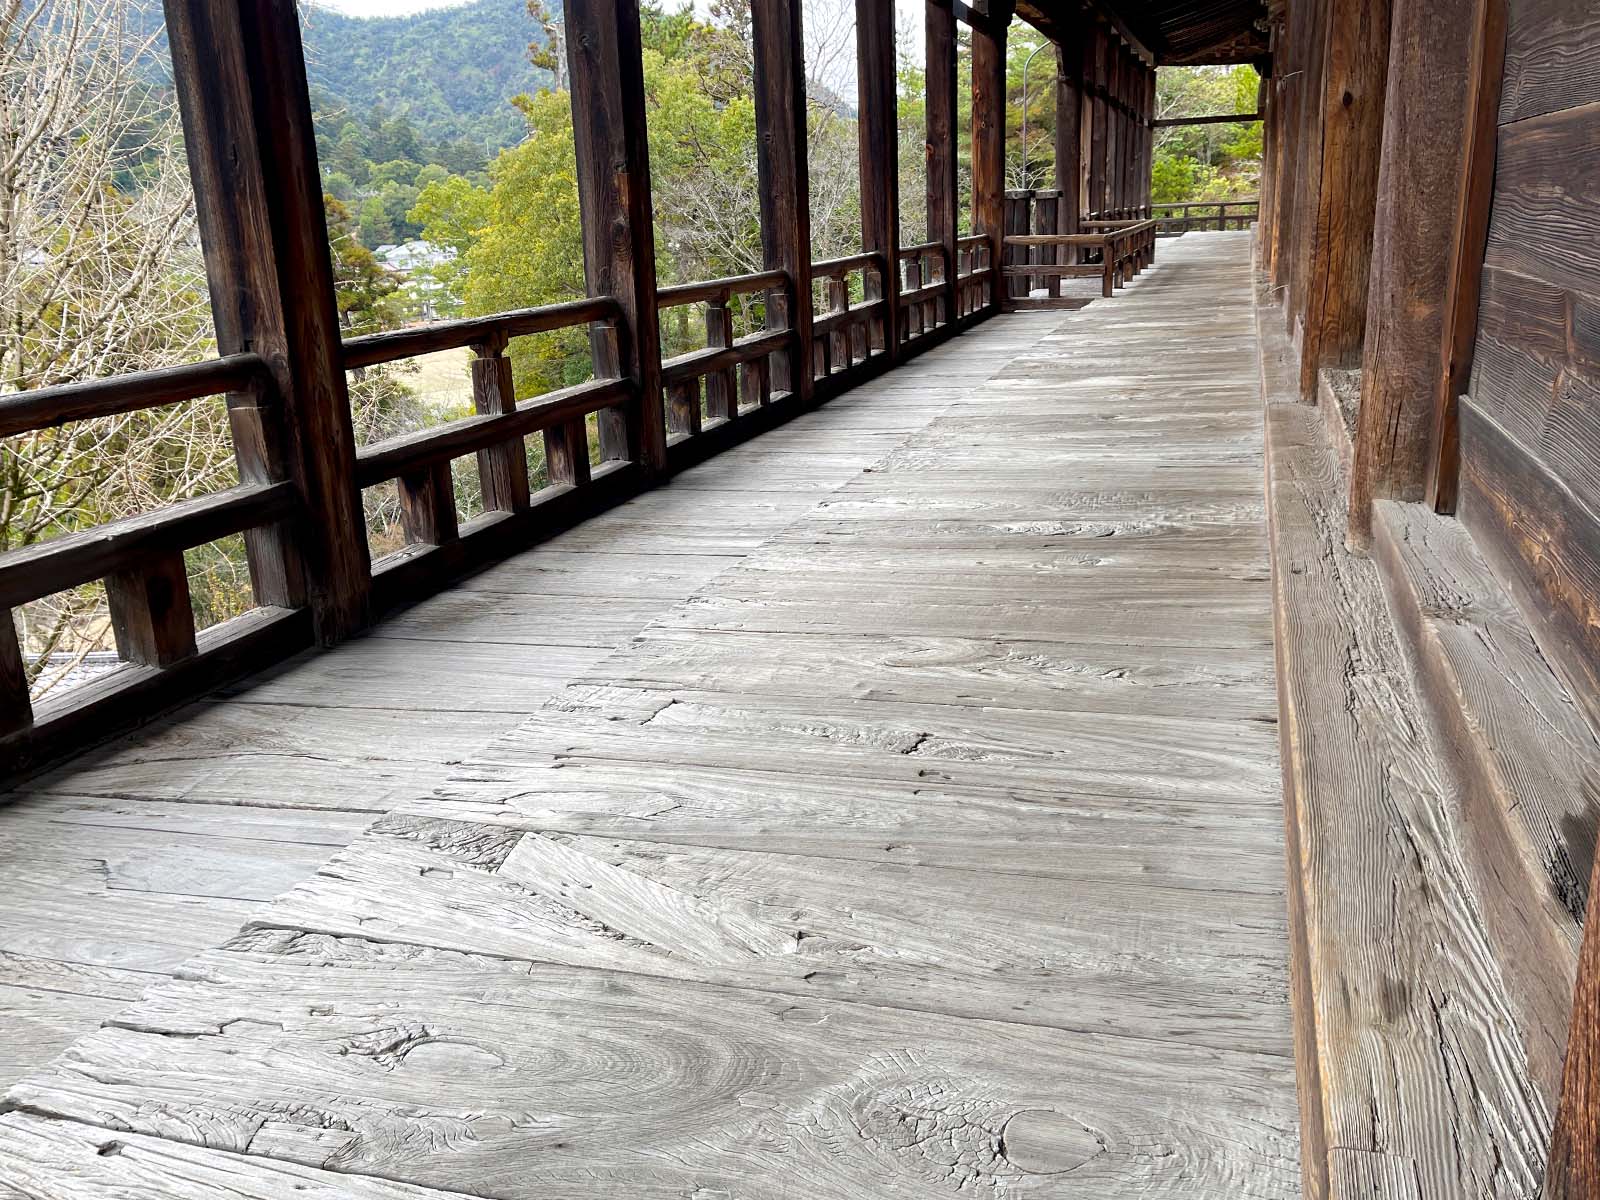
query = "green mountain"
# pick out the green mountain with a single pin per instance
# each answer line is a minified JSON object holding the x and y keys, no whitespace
{"x":449,"y":72}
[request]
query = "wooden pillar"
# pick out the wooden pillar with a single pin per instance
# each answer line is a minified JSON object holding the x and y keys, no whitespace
{"x":240,"y":78}
{"x":1436,"y":176}
{"x":940,"y":149}
{"x":1147,"y":169}
{"x":1357,"y":59}
{"x":1572,"y":1171}
{"x":1310,"y":21}
{"x":1286,"y":84}
{"x":1098,"y":200}
{"x":1069,"y":162}
{"x":1113,"y":126}
{"x":989,"y":136}
{"x":877,"y":128}
{"x":1271,"y":109}
{"x":784,"y":182}
{"x":16,"y":710}
{"x":619,"y":248}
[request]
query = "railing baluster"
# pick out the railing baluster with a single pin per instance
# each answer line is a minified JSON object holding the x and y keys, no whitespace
{"x":755,"y":382}
{"x":502,"y":468}
{"x":839,"y":356}
{"x":683,"y":408}
{"x":620,"y":425}
{"x":151,"y":617}
{"x":722,"y":396}
{"x":260,"y":450}
{"x":16,"y":711}
{"x":912,"y":321}
{"x":428,"y":505}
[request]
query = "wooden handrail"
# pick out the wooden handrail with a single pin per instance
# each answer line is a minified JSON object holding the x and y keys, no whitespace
{"x":408,"y":452}
{"x":127,"y":543}
{"x":720,"y":289}
{"x":718,"y":358}
{"x":371,"y":349}
{"x":831,"y":267}
{"x":45,"y":408}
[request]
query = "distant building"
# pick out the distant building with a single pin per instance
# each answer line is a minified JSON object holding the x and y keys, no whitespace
{"x":419,"y":265}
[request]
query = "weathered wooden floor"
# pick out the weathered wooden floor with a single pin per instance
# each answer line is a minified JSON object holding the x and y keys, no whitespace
{"x":887,"y":808}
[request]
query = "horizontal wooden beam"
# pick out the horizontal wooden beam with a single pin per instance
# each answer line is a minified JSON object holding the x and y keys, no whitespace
{"x":44,"y":408}
{"x":1219,"y":119}
{"x":373,"y":348}
{"x":428,"y":447}
{"x":78,"y":558}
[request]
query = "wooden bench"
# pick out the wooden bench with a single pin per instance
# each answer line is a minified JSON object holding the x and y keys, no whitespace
{"x":1125,"y":247}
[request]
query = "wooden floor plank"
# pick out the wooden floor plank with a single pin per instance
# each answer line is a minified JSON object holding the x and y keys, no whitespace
{"x":913,"y":832}
{"x":519,"y":1080}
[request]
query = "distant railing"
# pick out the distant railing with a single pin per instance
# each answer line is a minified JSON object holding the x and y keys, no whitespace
{"x":710,"y":387}
{"x":1173,"y":220}
{"x":420,"y":462}
{"x":974,"y":273}
{"x":847,"y":332}
{"x":923,"y":292}
{"x":1115,"y":250}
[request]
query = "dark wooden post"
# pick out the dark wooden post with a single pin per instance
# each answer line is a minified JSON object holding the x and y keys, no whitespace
{"x":1308,"y":176}
{"x":943,"y":220}
{"x":1572,"y":1171}
{"x":240,"y":78}
{"x":619,"y":249}
{"x":1095,"y":75}
{"x":503,"y":469}
{"x":1069,"y":104}
{"x":16,"y":710}
{"x":1351,"y":138}
{"x":1118,"y":134}
{"x":1435,"y":180}
{"x":1148,"y":163}
{"x":780,"y":87}
{"x":1271,"y":109}
{"x":877,"y":127}
{"x":151,"y":617}
{"x":722,"y":387}
{"x":989,"y":138}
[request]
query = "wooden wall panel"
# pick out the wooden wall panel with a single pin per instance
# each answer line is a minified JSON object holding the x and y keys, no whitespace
{"x":1530,"y":466}
{"x":1546,"y":217}
{"x":1550,"y":57}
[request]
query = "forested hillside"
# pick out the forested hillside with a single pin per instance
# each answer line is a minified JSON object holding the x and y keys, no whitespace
{"x":449,"y":72}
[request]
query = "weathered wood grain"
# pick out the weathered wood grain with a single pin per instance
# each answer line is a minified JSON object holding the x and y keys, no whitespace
{"x":519,"y":1079}
{"x":1021,"y":830}
{"x":1120,"y":958}
{"x":1526,"y":764}
{"x":1407,"y":1043}
{"x":63,"y":1160}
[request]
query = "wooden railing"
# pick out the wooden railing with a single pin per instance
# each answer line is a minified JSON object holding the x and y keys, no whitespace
{"x":1177,"y":219}
{"x":710,"y":387}
{"x":1118,"y":249}
{"x":924,"y":295}
{"x":285,"y":373}
{"x":975,"y":274}
{"x":437,"y":541}
{"x":848,"y":332}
